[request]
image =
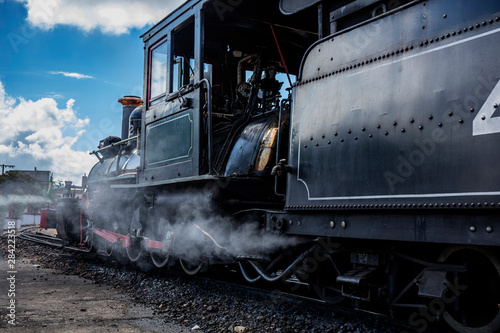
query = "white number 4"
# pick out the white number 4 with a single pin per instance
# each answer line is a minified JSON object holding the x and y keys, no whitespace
{"x":485,"y":123}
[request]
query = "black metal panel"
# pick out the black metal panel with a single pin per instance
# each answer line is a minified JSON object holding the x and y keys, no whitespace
{"x":454,"y":227}
{"x":392,"y":113}
{"x":174,"y":171}
{"x":289,"y":7}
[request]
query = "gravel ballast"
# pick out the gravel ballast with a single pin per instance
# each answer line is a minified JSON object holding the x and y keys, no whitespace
{"x":200,"y":304}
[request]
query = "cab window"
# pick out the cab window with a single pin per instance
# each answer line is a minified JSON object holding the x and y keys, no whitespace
{"x":183,"y":64}
{"x":158,"y":74}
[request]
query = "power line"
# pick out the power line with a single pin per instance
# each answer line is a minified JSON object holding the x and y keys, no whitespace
{"x":6,"y":166}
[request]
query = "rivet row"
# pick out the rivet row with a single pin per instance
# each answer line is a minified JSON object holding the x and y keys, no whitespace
{"x":397,"y":51}
{"x":397,"y":206}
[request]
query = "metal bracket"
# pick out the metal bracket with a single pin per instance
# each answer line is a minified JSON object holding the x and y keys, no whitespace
{"x":431,"y":283}
{"x":347,"y":10}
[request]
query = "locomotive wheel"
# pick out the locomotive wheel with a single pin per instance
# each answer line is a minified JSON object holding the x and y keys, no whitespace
{"x":135,"y":248}
{"x":190,"y":268}
{"x":108,"y":248}
{"x":102,"y":246}
{"x":474,"y":297}
{"x":89,"y":236}
{"x":159,"y":259}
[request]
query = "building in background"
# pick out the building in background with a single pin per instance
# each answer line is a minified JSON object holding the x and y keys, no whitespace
{"x":22,"y":194}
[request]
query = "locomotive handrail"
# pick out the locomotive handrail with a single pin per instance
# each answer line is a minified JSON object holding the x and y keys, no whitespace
{"x":209,"y":119}
{"x":180,"y":92}
{"x":278,"y":143}
{"x":113,"y":145}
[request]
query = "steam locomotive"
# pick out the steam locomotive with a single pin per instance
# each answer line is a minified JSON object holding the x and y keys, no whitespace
{"x":371,"y":174}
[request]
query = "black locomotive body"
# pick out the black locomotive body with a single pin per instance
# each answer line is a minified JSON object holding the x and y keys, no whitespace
{"x":375,"y":181}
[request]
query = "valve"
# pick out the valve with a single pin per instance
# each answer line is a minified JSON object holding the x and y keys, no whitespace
{"x":281,"y":169}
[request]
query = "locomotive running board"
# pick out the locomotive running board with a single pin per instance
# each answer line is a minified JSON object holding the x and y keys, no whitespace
{"x":154,"y":245}
{"x":168,"y":182}
{"x":113,"y":237}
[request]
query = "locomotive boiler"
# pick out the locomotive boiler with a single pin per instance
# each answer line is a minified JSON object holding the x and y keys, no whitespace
{"x":348,"y":145}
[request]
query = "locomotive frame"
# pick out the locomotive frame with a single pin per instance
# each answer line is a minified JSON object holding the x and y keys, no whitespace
{"x":377,"y":174}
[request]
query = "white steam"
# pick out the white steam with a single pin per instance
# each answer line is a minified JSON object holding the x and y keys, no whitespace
{"x":25,"y":200}
{"x":190,"y":225}
{"x":199,"y":227}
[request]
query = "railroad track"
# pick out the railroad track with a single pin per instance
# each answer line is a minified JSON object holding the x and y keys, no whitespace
{"x":35,"y":234}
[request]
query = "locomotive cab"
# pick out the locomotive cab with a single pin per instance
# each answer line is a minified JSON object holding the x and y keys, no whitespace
{"x":215,"y":94}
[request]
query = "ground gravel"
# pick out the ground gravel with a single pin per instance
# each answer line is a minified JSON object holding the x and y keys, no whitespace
{"x":202,"y":304}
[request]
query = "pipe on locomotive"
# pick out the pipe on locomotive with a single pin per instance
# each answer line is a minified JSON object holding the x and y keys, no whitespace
{"x":245,"y":275}
{"x":114,"y":145}
{"x":285,"y":273}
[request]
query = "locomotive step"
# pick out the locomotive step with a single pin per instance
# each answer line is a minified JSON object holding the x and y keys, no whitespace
{"x":356,"y":277}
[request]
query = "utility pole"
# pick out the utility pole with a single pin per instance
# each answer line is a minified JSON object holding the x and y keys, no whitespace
{"x":6,"y":166}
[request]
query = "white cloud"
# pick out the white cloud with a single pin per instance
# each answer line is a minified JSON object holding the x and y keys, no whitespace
{"x":55,"y":96}
{"x":110,"y":16}
{"x":33,"y":136}
{"x":74,"y":75}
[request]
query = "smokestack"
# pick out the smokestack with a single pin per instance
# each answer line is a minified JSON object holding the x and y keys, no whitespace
{"x":129,"y":104}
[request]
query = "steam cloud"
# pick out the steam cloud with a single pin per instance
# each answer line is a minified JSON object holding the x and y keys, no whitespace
{"x":202,"y":227}
{"x":24,"y":200}
{"x":196,"y":227}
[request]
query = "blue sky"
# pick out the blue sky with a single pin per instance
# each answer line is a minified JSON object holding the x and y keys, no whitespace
{"x":63,"y":66}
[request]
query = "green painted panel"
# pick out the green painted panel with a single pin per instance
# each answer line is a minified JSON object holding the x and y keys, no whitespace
{"x":169,"y":140}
